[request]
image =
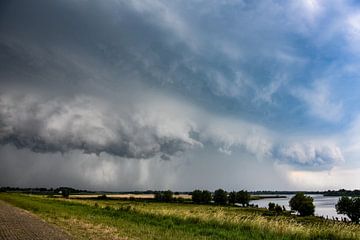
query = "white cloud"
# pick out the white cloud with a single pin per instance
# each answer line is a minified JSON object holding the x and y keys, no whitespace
{"x":352,"y":31}
{"x":302,"y":16}
{"x":233,"y":134}
{"x":308,"y":9}
{"x":312,"y":154}
{"x":88,"y":124}
{"x":156,"y":126}
{"x":336,"y":178}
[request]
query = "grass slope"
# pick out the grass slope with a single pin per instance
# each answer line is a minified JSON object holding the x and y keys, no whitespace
{"x":95,"y":219}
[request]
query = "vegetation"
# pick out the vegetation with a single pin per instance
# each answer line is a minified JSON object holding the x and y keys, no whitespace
{"x":102,"y":197}
{"x":232,"y":197}
{"x":243,"y":197}
{"x":302,"y":204}
{"x":340,"y":192}
{"x":206,"y":196}
{"x":343,"y":192}
{"x":65,"y":192}
{"x":258,"y":197}
{"x":114,"y":219}
{"x":220,"y":197}
{"x":271,"y":206}
{"x":350,"y":207}
{"x":199,"y":196}
{"x":276,"y":208}
{"x":196,"y":196}
{"x":165,"y":196}
{"x":44,"y":190}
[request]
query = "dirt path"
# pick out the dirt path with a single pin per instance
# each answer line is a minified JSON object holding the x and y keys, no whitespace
{"x":18,"y":224}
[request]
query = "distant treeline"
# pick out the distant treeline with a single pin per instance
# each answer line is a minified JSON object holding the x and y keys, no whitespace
{"x":284,"y":192}
{"x":75,"y":191}
{"x":343,"y":192}
{"x":44,"y":190}
{"x":37,"y":190}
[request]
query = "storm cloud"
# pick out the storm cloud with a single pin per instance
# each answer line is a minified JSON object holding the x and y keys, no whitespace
{"x":84,"y":124}
{"x":177,"y":86}
{"x":91,"y":125}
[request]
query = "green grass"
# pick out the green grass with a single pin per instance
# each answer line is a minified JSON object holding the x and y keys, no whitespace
{"x":111,"y":219}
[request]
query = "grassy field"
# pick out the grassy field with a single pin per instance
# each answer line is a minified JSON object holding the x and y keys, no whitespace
{"x":115,"y":219}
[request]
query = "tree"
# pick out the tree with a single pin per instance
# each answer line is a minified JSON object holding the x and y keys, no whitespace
{"x":65,"y":193}
{"x":350,"y":207}
{"x":302,"y":204}
{"x":158,"y":196}
{"x":206,"y":196}
{"x":196,"y":196}
{"x":243,"y":197}
{"x":220,"y":196}
{"x":199,"y":196}
{"x":232,"y":197}
{"x":166,"y":196}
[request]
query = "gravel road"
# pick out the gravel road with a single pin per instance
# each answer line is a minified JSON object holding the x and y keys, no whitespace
{"x":17,"y":224}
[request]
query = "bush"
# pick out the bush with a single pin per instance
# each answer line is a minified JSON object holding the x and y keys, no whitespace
{"x":271,"y":206}
{"x":102,"y":197}
{"x":302,"y":204}
{"x":278,"y":208}
{"x":349,"y":207}
{"x":220,"y":196}
{"x":275,"y":207}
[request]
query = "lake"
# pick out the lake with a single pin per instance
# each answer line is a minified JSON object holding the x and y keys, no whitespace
{"x":324,"y":205}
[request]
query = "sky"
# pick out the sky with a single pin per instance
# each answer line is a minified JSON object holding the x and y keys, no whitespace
{"x":125,"y":95}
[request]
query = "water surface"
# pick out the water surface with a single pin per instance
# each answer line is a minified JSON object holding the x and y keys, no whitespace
{"x":324,"y":205}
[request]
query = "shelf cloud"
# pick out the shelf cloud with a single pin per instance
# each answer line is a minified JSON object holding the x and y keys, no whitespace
{"x":143,"y":87}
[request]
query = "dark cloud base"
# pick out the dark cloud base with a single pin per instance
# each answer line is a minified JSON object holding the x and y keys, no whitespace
{"x":169,"y":85}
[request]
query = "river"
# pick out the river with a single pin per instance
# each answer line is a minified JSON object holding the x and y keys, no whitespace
{"x":324,"y":205}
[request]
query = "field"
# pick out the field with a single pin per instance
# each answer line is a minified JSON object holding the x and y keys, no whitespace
{"x":121,"y":219}
{"x":125,"y":196}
